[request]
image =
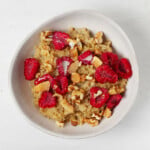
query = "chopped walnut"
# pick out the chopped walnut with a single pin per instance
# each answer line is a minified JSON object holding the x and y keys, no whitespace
{"x":101,"y":112}
{"x":107,"y":112}
{"x":67,"y":106}
{"x":37,"y":75}
{"x":77,"y":119}
{"x":81,"y":33}
{"x":97,"y":51}
{"x":96,"y":116}
{"x":47,"y":67}
{"x":59,"y":96}
{"x":74,"y":122}
{"x":60,"y":124}
{"x":82,"y":107}
{"x":82,"y":78}
{"x":99,"y":37}
{"x":52,"y":59}
{"x":107,"y":46}
{"x":116,"y":90}
{"x":46,"y":36}
{"x":86,"y":69}
{"x":108,"y":43}
{"x":78,"y":95}
{"x":72,"y":88}
{"x":92,"y":122}
{"x":44,"y":52}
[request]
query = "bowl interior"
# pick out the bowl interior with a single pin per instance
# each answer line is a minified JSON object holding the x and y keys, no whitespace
{"x":95,"y":22}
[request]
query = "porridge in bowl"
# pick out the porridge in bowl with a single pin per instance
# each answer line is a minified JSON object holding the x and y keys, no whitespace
{"x":76,"y":77}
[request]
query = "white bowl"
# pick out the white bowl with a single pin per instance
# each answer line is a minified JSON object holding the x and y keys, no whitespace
{"x":21,"y":91}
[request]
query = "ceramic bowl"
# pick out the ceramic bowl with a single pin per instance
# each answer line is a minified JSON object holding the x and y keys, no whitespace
{"x":21,"y":92}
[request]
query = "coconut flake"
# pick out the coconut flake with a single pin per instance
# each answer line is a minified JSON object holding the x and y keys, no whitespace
{"x":89,"y":58}
{"x":71,"y":44}
{"x":99,"y":92}
{"x":65,"y":66}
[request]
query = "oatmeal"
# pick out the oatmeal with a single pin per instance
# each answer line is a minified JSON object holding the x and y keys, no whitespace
{"x":76,"y":77}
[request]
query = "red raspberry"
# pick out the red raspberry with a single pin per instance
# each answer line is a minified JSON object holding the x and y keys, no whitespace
{"x":123,"y":68}
{"x":31,"y":66}
{"x":97,"y":100}
{"x":86,"y":57}
{"x":114,"y":101}
{"x":110,"y":59}
{"x":60,"y":84}
{"x":104,"y":74}
{"x":60,"y":40}
{"x":47,"y":100}
{"x":63,"y":64}
{"x":45,"y":77}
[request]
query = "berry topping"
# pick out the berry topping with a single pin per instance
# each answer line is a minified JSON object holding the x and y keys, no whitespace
{"x":47,"y":100}
{"x":114,"y":101}
{"x":45,"y":77}
{"x":60,"y":84}
{"x":123,"y":68}
{"x":86,"y":57}
{"x":104,"y":74}
{"x":98,"y":96}
{"x":110,"y":59}
{"x":60,"y":40}
{"x":63,"y":64}
{"x":31,"y":66}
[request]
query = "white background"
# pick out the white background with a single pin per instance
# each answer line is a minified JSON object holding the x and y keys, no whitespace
{"x":18,"y":18}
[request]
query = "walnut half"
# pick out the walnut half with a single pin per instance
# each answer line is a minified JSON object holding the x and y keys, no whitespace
{"x":107,"y":113}
{"x":60,"y":124}
{"x":92,"y":122}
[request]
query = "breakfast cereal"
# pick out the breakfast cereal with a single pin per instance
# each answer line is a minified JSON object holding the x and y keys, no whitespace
{"x":76,"y":77}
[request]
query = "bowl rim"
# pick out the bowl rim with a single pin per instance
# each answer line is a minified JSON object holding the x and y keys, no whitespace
{"x":95,"y":12}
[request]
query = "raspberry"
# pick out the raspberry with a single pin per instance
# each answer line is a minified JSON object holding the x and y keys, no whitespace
{"x":31,"y":66}
{"x":60,"y":40}
{"x":110,"y":59}
{"x":123,"y":68}
{"x":98,"y":96}
{"x":47,"y":100}
{"x":86,"y":57}
{"x":114,"y":101}
{"x":63,"y":64}
{"x":60,"y":84}
{"x":104,"y":74}
{"x":45,"y":77}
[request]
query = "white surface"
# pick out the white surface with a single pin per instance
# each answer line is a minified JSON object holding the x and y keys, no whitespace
{"x":18,"y":18}
{"x":22,"y":92}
